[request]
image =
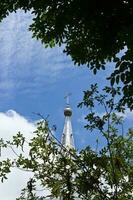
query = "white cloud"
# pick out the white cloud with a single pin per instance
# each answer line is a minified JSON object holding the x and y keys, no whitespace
{"x":10,"y":123}
{"x":23,"y":59}
{"x":11,"y":188}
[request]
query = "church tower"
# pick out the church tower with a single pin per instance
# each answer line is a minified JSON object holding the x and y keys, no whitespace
{"x":67,"y":136}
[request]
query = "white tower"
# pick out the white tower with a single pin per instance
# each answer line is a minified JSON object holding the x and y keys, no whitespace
{"x":67,"y":136}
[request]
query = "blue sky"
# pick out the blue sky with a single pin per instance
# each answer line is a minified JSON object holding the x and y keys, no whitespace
{"x":35,"y":79}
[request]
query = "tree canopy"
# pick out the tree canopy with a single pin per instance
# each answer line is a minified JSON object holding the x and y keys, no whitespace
{"x":91,"y":174}
{"x":94,"y":32}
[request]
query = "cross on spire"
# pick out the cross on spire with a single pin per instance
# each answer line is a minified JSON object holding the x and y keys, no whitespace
{"x":67,"y":97}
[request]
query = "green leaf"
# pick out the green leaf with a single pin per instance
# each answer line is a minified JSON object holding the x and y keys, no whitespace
{"x":117,"y":79}
{"x":122,"y":77}
{"x":112,"y":80}
{"x":94,"y":70}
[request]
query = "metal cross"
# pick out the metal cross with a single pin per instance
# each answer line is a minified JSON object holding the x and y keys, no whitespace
{"x":67,"y":97}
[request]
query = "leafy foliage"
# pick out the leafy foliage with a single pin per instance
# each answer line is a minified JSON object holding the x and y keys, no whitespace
{"x":105,"y":173}
{"x":94,"y":32}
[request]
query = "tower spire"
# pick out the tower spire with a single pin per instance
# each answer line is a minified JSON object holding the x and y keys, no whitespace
{"x":67,"y":136}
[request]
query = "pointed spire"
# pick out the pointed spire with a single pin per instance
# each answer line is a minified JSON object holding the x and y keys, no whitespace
{"x":67,"y":136}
